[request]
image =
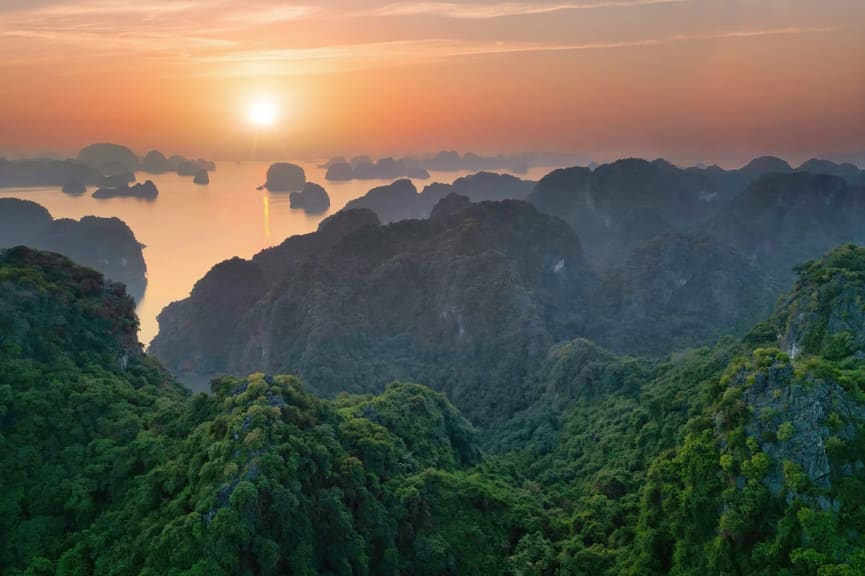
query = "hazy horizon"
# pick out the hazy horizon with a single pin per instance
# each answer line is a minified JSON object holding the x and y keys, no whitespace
{"x":688,"y":80}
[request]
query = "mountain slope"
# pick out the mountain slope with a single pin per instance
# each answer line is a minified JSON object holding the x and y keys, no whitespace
{"x":400,"y":200}
{"x":678,"y":289}
{"x":475,"y":291}
{"x":108,"y":466}
{"x":737,"y":459}
{"x":598,"y":204}
{"x":784,"y":219}
{"x":740,"y":458}
{"x":106,"y":244}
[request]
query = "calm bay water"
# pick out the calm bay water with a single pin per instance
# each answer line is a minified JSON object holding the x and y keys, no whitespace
{"x":189,"y":228}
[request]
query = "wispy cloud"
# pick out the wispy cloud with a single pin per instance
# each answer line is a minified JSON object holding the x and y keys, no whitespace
{"x":153,"y":24}
{"x":502,"y":9}
{"x":271,"y":14}
{"x":216,"y":38}
{"x":328,"y":59}
{"x":113,"y":8}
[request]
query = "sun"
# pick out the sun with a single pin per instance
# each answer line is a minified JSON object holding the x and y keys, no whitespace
{"x":262,"y":112}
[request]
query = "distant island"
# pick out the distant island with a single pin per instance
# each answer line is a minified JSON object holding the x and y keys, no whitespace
{"x":201,"y":177}
{"x":313,"y":199}
{"x":74,"y":188}
{"x":109,"y":159}
{"x":400,"y":200}
{"x":105,"y":244}
{"x":382,"y":169}
{"x":364,"y":168}
{"x":146,"y":190}
{"x":103,"y":165}
{"x":155,"y":162}
{"x":35,"y":172}
{"x":285,"y":177}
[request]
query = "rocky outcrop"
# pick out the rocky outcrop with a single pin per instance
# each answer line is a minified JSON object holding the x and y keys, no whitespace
{"x":109,"y":159}
{"x":201,"y":178}
{"x":155,"y":162}
{"x":146,"y":191}
{"x":824,"y":314}
{"x":395,"y":201}
{"x":339,"y":172}
{"x":312,"y":199}
{"x":796,"y":420}
{"x":74,"y":188}
{"x":285,"y":177}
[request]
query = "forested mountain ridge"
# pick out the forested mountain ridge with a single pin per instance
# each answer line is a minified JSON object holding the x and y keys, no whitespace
{"x":77,"y":395}
{"x":741,"y":458}
{"x":108,"y":466}
{"x":600,"y":204}
{"x":736,"y":459}
{"x":671,"y":257}
{"x":462,"y":301}
{"x":465,"y":301}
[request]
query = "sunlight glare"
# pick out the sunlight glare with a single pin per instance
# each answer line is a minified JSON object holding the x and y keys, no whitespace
{"x":262,"y":112}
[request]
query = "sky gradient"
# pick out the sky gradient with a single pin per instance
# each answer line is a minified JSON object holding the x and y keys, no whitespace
{"x":691,"y":80}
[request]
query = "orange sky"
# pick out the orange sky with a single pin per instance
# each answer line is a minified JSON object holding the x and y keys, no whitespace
{"x":691,"y":80}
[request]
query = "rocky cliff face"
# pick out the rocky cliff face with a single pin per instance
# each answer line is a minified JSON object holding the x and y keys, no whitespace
{"x":804,"y":400}
{"x":825,"y":312}
{"x":801,"y":419}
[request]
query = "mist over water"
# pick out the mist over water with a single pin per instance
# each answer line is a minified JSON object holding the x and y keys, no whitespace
{"x":189,"y":228}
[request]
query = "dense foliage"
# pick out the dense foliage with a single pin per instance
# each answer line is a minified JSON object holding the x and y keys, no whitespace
{"x":741,"y":458}
{"x":109,"y":467}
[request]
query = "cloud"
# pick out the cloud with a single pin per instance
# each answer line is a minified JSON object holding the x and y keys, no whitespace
{"x":501,"y":9}
{"x":328,"y":59}
{"x":199,"y":21}
{"x":113,"y":8}
{"x":214,"y":37}
{"x":271,"y":15}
